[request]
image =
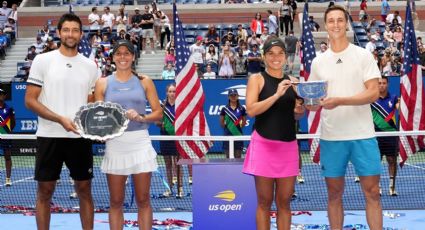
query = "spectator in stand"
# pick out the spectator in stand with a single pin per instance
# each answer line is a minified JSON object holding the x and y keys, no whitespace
{"x":388,"y":37}
{"x":254,"y":41}
{"x":198,"y":52}
{"x":9,"y":28}
{"x":371,"y":46}
{"x":212,"y":37}
{"x":170,"y":44}
{"x":372,"y":27}
{"x":323,"y":48}
{"x":4,"y":13}
{"x":209,"y":73}
{"x":241,"y":34}
{"x":3,"y":45}
{"x":44,"y":33}
{"x":229,"y":37}
{"x":147,"y":30}
{"x":121,"y":21}
{"x":365,"y":22}
{"x":385,"y":64}
{"x":285,"y":17}
{"x":96,"y":38}
{"x":396,"y":66}
{"x":244,"y":47}
{"x":94,"y":19}
{"x":108,"y":18}
{"x":254,"y":61}
{"x":14,"y":13}
{"x":157,"y":15}
{"x":31,"y":54}
{"x":363,"y":9}
{"x":264,"y":36}
{"x":168,"y":73}
{"x":257,"y":25}
{"x":272,"y":23}
{"x":398,"y":37}
{"x":170,"y":57}
{"x":291,"y":43}
{"x":50,"y":45}
{"x":226,"y":63}
{"x":394,"y":24}
{"x":39,"y":45}
{"x":293,"y":5}
{"x":136,"y":18}
{"x":165,"y":29}
{"x":241,"y":63}
{"x":395,"y":15}
{"x":385,"y":9}
{"x":314,"y":26}
{"x":211,"y":58}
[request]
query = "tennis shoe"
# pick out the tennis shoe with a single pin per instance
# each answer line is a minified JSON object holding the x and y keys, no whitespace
{"x":356,"y":179}
{"x":73,"y":195}
{"x":393,"y":192}
{"x":167,"y":193}
{"x":8,"y":182}
{"x":300,"y":179}
{"x":190,"y":180}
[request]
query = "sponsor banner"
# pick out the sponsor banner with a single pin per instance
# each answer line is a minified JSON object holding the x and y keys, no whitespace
{"x":222,"y":202}
{"x":215,"y":94}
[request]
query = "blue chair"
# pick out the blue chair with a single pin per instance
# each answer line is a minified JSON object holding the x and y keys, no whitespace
{"x":360,"y":31}
{"x":362,"y":38}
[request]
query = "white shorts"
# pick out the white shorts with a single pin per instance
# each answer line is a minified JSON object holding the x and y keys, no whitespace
{"x":130,"y":153}
{"x":147,"y":33}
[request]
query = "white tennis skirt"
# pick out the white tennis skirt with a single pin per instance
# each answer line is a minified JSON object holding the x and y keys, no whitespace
{"x":130,"y":153}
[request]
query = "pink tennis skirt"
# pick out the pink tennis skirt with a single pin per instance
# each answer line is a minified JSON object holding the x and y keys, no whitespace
{"x":271,"y":158}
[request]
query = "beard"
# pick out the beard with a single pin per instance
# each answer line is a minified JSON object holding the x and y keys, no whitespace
{"x":69,"y":45}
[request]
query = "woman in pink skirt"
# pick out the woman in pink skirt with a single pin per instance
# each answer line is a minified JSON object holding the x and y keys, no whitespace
{"x":272,"y":155}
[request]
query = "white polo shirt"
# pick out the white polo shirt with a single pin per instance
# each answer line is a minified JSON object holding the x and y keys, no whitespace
{"x":65,"y":83}
{"x":346,"y":73}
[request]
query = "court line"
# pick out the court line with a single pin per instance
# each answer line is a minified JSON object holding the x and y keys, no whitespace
{"x":17,"y":181}
{"x":415,"y":166}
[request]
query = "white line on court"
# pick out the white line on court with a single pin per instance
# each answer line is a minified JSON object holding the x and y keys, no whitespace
{"x":18,"y":181}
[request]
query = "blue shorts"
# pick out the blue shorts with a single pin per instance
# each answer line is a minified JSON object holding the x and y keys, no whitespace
{"x":363,"y":154}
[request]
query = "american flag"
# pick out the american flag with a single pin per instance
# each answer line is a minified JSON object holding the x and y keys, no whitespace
{"x":307,"y":55}
{"x":84,"y":47}
{"x":412,"y":104}
{"x":190,"y":117}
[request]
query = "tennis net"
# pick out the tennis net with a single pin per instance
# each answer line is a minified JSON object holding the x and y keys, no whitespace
{"x":310,"y":195}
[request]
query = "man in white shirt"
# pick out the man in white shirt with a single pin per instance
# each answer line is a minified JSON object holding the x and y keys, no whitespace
{"x":347,"y":132}
{"x":395,"y":15}
{"x":108,"y":18}
{"x":371,"y":46}
{"x":94,"y":19}
{"x":60,"y":82}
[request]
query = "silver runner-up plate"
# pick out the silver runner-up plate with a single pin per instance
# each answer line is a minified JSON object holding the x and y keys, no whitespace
{"x":101,"y":121}
{"x":312,"y":91}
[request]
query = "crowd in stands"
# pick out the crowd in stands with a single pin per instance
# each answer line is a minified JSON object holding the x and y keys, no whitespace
{"x":218,"y":52}
{"x":8,"y":19}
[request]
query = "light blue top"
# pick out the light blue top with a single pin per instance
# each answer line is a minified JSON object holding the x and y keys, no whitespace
{"x":130,"y":95}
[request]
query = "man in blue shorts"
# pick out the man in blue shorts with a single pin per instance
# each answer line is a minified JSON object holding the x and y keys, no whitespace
{"x":383,"y":111}
{"x":7,"y":123}
{"x":60,"y":82}
{"x":347,"y":132}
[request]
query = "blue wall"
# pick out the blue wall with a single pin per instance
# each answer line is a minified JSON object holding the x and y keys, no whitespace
{"x":215,"y":94}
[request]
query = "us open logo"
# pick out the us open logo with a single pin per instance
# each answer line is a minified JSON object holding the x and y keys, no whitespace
{"x":227,"y":196}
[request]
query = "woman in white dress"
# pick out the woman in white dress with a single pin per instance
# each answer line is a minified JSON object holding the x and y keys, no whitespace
{"x":131,"y":153}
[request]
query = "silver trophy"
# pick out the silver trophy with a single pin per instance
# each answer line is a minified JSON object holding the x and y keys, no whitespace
{"x":101,"y":121}
{"x":312,"y":91}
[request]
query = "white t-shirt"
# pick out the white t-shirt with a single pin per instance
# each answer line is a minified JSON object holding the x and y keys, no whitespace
{"x":108,"y":20}
{"x":94,"y":19}
{"x":197,"y":53}
{"x":65,"y":83}
{"x":346,"y":72}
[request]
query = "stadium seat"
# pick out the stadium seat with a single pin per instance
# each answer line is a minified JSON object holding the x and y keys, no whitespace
{"x":190,"y":33}
{"x":357,"y":25}
{"x":191,"y":27}
{"x":203,"y":27}
{"x":360,"y":31}
{"x":362,"y":38}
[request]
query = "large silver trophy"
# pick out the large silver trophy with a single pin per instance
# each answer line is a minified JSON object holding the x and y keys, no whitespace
{"x":312,"y":92}
{"x":101,"y":121}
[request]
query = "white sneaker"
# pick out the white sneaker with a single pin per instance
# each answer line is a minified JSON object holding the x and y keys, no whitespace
{"x":393,"y":192}
{"x":8,"y":182}
{"x":71,"y":182}
{"x":356,"y":179}
{"x":58,"y":182}
{"x":174,"y":180}
{"x":73,"y":195}
{"x":190,"y":180}
{"x":180,"y":193}
{"x":167,"y":193}
{"x":300,"y":179}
